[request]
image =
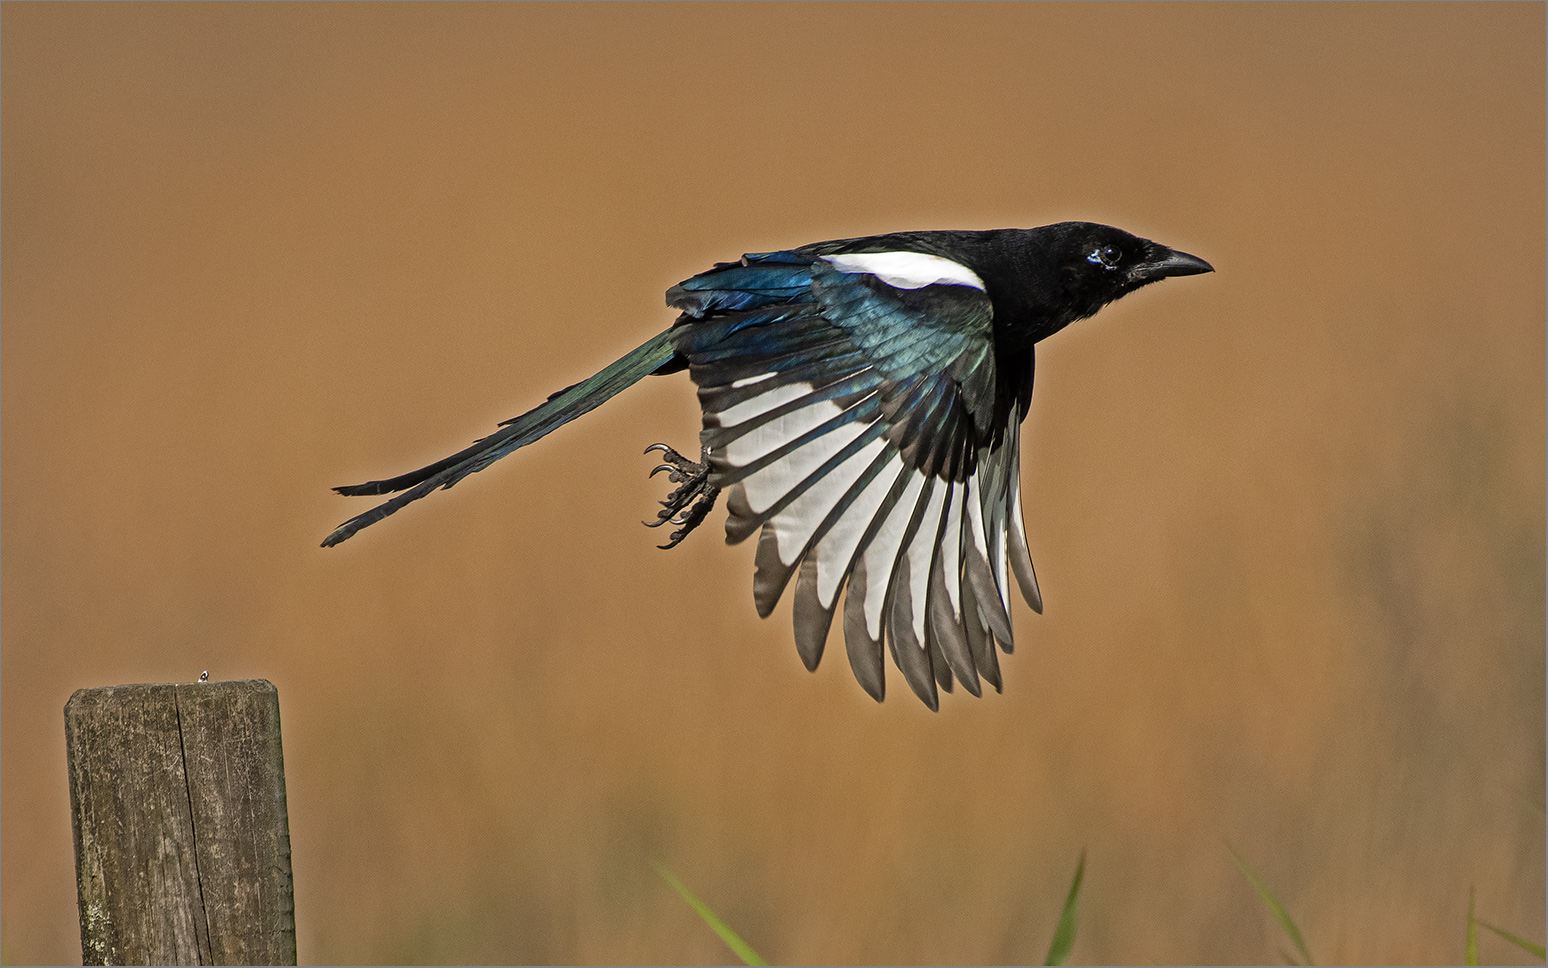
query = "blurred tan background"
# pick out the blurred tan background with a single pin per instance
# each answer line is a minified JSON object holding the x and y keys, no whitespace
{"x":1289,"y":518}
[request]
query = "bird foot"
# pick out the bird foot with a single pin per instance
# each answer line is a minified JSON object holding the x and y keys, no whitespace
{"x":693,"y":498}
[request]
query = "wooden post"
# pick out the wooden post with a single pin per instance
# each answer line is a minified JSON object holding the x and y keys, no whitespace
{"x":182,"y":842}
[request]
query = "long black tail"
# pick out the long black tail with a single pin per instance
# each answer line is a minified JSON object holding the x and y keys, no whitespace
{"x":515,"y":433}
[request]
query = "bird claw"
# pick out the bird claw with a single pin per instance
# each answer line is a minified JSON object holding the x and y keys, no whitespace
{"x":693,"y":498}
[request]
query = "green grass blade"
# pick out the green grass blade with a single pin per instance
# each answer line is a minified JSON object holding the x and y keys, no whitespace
{"x":1531,"y":947}
{"x":1277,"y":909}
{"x":1064,"y":934}
{"x":742,"y":949}
{"x":1470,"y":947}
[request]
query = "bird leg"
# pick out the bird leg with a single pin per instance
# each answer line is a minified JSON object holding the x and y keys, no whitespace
{"x":693,"y":498}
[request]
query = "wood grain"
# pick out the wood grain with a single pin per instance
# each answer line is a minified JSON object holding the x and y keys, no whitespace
{"x":182,"y":842}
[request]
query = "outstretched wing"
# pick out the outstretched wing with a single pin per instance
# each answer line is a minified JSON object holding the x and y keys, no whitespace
{"x":853,"y":412}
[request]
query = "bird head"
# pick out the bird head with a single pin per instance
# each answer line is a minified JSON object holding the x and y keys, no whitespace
{"x":1099,"y":263}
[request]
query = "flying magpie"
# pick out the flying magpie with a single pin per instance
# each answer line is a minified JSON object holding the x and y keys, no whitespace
{"x":862,"y":404}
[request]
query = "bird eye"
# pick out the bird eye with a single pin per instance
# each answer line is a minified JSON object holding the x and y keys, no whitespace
{"x":1107,"y":257}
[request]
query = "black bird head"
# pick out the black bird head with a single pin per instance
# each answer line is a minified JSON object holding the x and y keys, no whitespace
{"x":1098,"y":263}
{"x":1048,"y":277}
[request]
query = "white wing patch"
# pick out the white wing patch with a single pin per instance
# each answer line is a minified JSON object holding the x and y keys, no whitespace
{"x":951,"y":550}
{"x":795,"y":526}
{"x":940,"y":594}
{"x":748,"y":381}
{"x":838,"y":546}
{"x":921,"y":552}
{"x":882,"y":553}
{"x":771,"y":483}
{"x":761,"y":404}
{"x":928,"y":573}
{"x":907,"y":270}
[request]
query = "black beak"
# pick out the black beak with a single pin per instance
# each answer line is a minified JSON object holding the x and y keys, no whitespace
{"x":1177,"y":264}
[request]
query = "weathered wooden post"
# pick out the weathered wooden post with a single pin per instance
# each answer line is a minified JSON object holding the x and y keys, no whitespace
{"x":182,"y":842}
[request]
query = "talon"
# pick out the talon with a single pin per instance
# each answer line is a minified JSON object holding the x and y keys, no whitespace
{"x":675,"y":539}
{"x":691,"y":501}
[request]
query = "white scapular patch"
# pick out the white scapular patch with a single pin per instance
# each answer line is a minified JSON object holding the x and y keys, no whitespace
{"x":795,"y":525}
{"x":908,"y":270}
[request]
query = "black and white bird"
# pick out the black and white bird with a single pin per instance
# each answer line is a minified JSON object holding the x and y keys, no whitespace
{"x":862,"y":404}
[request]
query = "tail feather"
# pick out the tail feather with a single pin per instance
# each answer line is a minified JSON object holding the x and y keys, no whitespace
{"x":515,"y":433}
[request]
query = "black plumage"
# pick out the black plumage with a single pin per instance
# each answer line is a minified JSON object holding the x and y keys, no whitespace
{"x":862,"y":404}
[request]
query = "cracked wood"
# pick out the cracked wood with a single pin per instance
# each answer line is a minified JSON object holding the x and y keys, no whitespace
{"x":182,"y":843}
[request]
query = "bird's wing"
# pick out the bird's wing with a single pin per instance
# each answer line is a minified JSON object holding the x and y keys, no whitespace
{"x":850,"y":410}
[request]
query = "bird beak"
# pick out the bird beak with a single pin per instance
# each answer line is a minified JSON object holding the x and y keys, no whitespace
{"x":1177,"y":264}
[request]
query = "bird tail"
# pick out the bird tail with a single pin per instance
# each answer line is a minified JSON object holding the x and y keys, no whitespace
{"x":515,"y":433}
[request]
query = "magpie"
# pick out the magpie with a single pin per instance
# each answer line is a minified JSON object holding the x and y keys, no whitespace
{"x":862,"y":402}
